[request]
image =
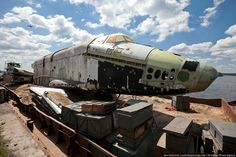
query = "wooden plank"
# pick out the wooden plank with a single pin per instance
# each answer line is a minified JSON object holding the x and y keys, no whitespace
{"x":98,"y":107}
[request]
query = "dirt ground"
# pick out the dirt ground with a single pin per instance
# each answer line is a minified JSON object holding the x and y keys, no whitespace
{"x":23,"y":92}
{"x":59,"y":98}
{"x":199,"y":113}
{"x":163,"y":113}
{"x":18,"y":139}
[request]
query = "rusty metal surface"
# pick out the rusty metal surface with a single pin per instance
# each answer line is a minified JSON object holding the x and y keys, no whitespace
{"x":229,"y":110}
{"x":72,"y":140}
{"x":3,"y":95}
{"x":178,"y":126}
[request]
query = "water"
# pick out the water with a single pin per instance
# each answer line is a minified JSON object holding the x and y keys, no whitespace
{"x":222,"y":87}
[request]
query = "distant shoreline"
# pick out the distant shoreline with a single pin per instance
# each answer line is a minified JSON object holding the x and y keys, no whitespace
{"x":230,"y":74}
{"x":227,"y":74}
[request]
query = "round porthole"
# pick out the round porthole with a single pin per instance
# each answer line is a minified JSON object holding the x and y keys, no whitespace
{"x":171,"y":77}
{"x":157,"y":74}
{"x":149,"y":77}
{"x":150,"y":70}
{"x":164,"y":75}
{"x":183,"y":76}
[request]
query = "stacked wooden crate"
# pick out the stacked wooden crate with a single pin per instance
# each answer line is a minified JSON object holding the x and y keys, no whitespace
{"x":98,"y":107}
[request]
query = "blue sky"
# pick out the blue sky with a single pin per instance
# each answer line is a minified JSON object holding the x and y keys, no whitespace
{"x":202,"y":30}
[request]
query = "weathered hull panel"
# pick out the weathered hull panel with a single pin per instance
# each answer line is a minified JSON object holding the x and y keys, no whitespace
{"x":76,"y":69}
{"x":115,"y":64}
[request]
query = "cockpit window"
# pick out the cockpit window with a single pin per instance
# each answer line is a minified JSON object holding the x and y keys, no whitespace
{"x":128,"y":39}
{"x":119,"y":38}
{"x":190,"y":65}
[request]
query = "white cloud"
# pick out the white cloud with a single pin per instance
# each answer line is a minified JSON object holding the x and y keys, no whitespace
{"x":223,"y":49}
{"x":23,"y":12}
{"x":16,"y":15}
{"x":92,"y":25}
{"x":9,"y":18}
{"x":165,"y":17}
{"x":210,"y":12}
{"x":61,"y":29}
{"x":231,"y":30}
{"x":32,"y":3}
{"x":82,"y":20}
{"x":22,"y":45}
{"x":64,"y":29}
{"x":146,"y":26}
{"x":37,"y":20}
{"x":191,"y":49}
{"x":226,"y":47}
{"x":208,"y":60}
{"x":226,"y":68}
{"x":38,"y":5}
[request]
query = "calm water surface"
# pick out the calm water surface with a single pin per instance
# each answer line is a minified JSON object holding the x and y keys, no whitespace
{"x":222,"y":87}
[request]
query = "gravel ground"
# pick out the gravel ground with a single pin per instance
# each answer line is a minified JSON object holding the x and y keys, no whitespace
{"x":19,"y":141}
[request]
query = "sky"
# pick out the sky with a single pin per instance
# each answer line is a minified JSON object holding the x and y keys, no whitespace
{"x":204,"y":30}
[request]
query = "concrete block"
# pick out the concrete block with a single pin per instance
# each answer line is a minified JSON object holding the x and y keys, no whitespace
{"x":179,"y":126}
{"x":137,"y":132}
{"x":132,"y":116}
{"x":207,"y":142}
{"x":224,"y":135}
{"x":121,"y":151}
{"x":133,"y":101}
{"x":172,"y":144}
{"x":143,"y":150}
{"x":180,"y":144}
{"x":181,"y":103}
{"x":131,"y":142}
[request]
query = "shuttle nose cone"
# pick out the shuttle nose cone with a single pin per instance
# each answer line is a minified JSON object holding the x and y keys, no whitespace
{"x":208,"y":75}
